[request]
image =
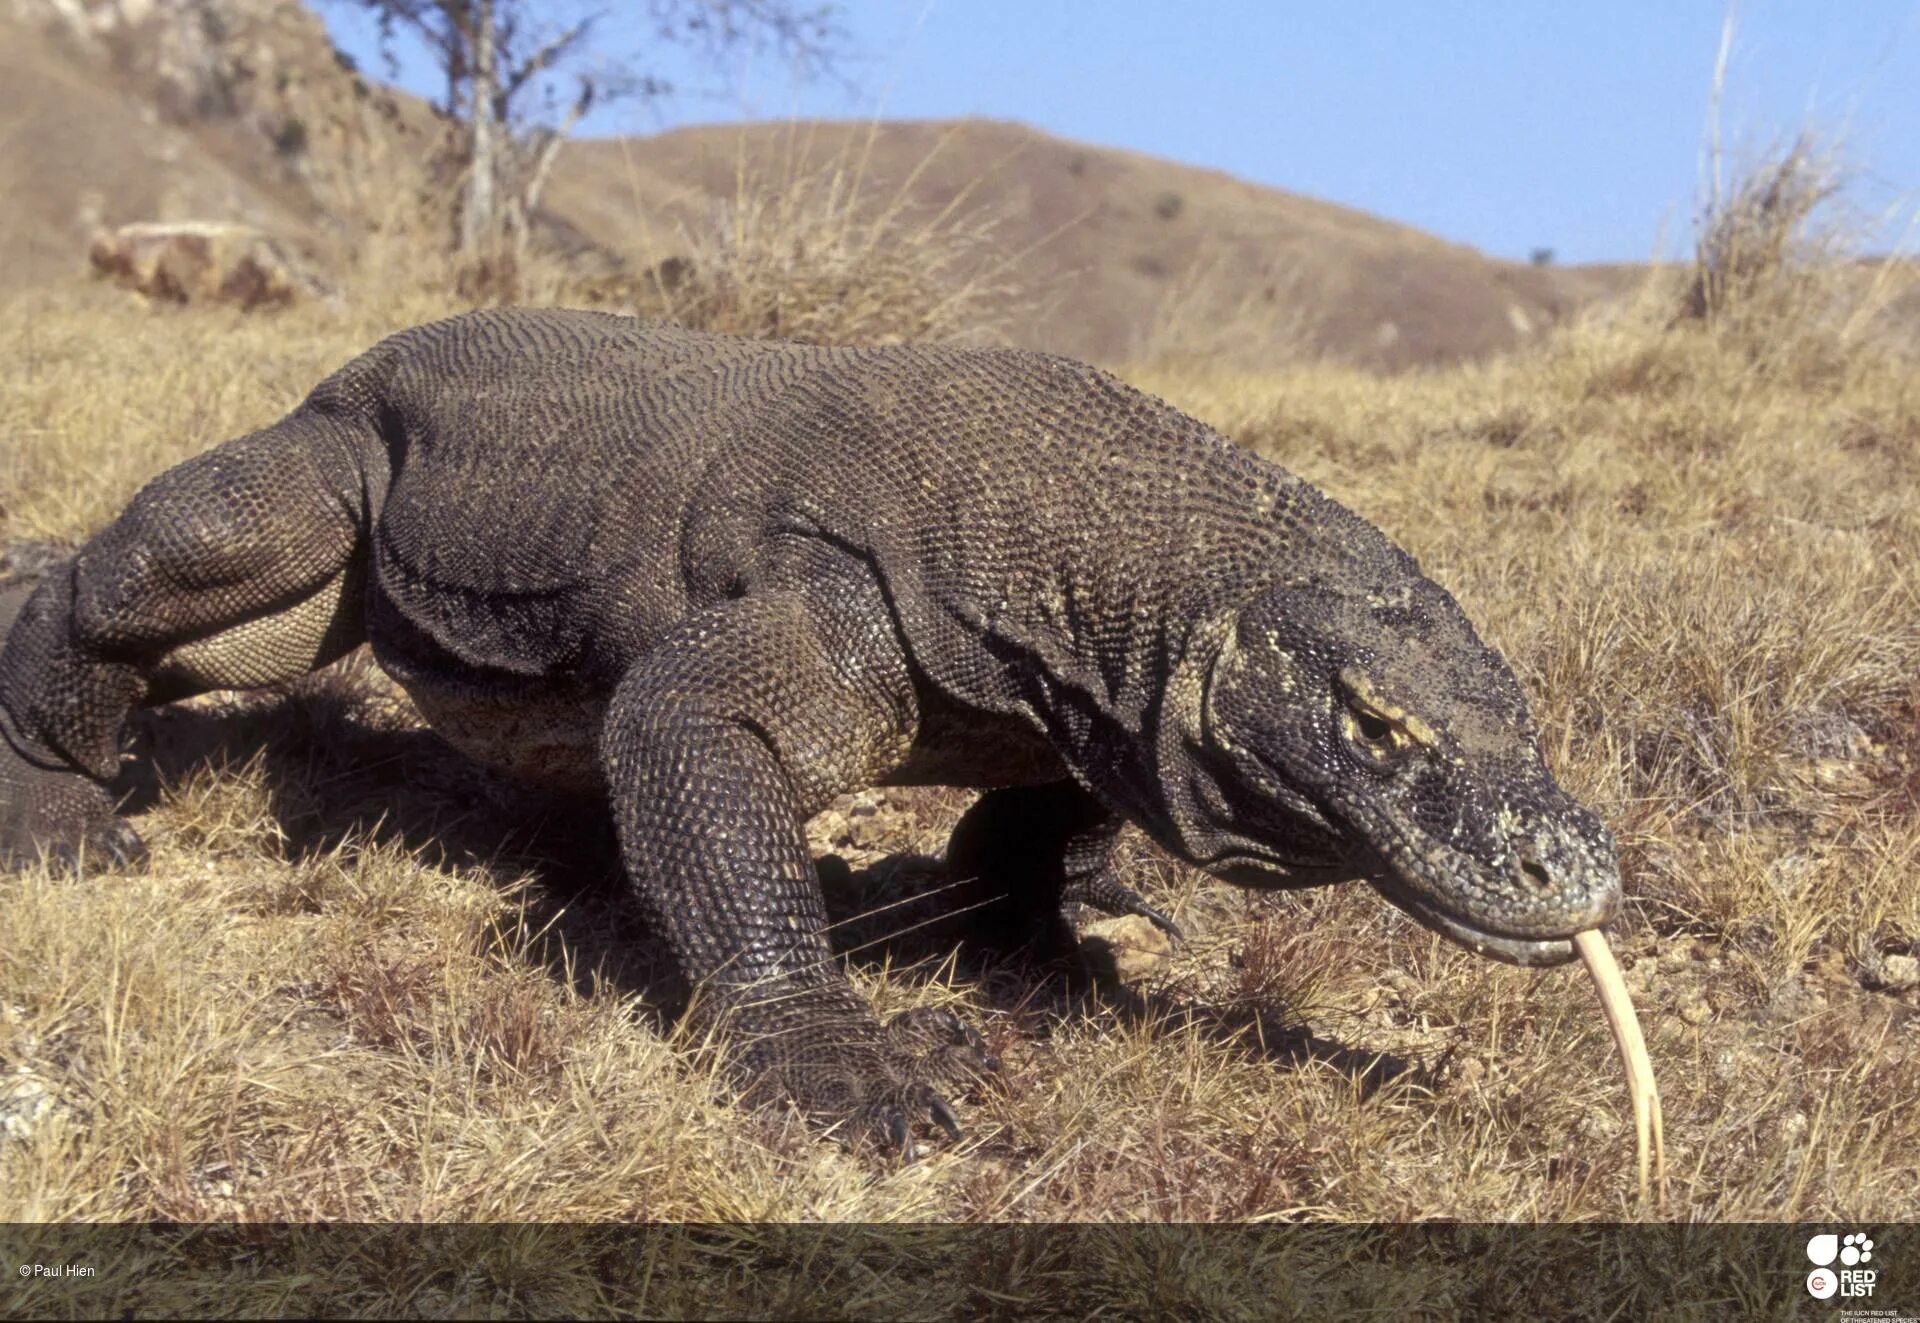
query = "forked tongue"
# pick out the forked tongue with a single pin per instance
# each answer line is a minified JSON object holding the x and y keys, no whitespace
{"x":1633,"y":1055}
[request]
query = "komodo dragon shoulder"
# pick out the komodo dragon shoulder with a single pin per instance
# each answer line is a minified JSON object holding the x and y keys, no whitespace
{"x":721,"y":581}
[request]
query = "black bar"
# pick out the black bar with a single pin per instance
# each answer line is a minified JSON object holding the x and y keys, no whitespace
{"x":1312,"y":1271}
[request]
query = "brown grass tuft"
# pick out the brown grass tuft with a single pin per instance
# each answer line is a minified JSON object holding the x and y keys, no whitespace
{"x":1775,"y":267}
{"x":815,"y":252}
{"x":1758,"y":248}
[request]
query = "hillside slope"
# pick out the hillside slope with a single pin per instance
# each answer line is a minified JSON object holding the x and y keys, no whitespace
{"x":113,"y":113}
{"x":1111,"y":246}
{"x":76,"y":152}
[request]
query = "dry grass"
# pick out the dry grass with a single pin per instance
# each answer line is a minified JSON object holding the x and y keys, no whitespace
{"x":346,"y":991}
{"x":815,"y":252}
{"x":1757,"y":252}
{"x":812,"y":247}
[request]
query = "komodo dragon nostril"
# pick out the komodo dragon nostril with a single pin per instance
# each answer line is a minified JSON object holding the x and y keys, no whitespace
{"x":1535,"y":873}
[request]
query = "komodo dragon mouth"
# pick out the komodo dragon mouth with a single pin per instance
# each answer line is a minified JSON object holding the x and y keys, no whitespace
{"x":1536,"y":953}
{"x":1541,"y":876}
{"x":1415,"y":899}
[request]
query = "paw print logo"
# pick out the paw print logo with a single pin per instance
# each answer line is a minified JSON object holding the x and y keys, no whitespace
{"x":1856,"y":1248}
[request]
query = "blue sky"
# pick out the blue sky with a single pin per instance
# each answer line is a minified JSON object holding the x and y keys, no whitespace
{"x":1502,"y":124}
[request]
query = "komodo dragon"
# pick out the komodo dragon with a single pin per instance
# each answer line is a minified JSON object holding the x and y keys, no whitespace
{"x":723,"y":581}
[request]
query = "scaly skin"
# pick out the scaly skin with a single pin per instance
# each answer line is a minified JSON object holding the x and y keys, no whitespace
{"x":725,"y":581}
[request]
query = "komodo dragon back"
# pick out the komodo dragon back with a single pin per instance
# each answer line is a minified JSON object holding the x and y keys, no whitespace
{"x":720,"y":582}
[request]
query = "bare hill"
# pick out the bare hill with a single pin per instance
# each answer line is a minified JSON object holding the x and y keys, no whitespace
{"x":1111,"y":246}
{"x":77,"y":152}
{"x":114,"y":113}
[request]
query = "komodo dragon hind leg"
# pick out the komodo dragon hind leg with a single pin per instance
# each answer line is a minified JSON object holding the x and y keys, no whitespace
{"x":717,"y":746}
{"x":236,"y":569}
{"x":1022,"y":851}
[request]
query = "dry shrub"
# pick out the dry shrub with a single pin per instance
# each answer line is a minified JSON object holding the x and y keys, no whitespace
{"x":805,"y":250}
{"x":814,"y":253}
{"x":403,"y":264}
{"x":1758,"y":251}
{"x":1776,"y":266}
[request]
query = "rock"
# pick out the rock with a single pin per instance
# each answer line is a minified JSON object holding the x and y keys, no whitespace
{"x":1890,"y":973}
{"x":1790,"y":874}
{"x":1137,"y":949}
{"x":199,"y":262}
{"x":25,"y":1101}
{"x":1404,"y":986}
{"x":1695,"y":1009}
{"x":1821,"y":737}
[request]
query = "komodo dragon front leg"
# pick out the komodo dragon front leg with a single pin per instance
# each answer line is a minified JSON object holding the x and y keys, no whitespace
{"x":718,"y":744}
{"x":241,"y":567}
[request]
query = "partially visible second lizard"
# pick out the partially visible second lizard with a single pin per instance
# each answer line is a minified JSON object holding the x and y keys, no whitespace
{"x":721,"y":582}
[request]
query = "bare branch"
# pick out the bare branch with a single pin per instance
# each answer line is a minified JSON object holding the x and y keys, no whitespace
{"x":545,"y":58}
{"x":549,"y":148}
{"x":809,"y":37}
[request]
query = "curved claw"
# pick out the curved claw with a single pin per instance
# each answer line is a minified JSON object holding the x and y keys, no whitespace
{"x":933,"y":1036}
{"x":1107,"y":894}
{"x":1162,"y":922}
{"x":123,"y":846}
{"x":944,"y":1117}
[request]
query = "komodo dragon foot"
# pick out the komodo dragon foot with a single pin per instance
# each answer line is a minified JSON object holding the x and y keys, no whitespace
{"x":822,"y":1053}
{"x":60,"y":814}
{"x":47,"y":808}
{"x":1106,"y":893}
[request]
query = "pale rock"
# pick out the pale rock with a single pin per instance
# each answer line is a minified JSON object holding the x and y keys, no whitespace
{"x":1137,"y":948}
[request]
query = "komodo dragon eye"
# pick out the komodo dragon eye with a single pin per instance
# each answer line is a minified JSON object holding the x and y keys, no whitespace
{"x":1380,"y":738}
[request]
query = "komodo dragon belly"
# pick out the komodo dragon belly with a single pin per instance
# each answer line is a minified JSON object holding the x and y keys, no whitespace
{"x":503,"y":675}
{"x":543,"y":736}
{"x":486,"y":606}
{"x":535,"y":728}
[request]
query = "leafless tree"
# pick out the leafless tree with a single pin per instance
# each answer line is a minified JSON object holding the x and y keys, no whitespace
{"x":520,"y":74}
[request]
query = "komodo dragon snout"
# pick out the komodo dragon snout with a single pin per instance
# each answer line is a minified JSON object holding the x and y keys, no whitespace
{"x":1374,"y":735}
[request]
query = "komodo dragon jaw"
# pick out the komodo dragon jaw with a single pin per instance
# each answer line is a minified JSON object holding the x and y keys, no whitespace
{"x":1369,"y":733}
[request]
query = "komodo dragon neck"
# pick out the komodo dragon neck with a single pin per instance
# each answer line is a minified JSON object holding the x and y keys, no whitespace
{"x":1143,"y":532}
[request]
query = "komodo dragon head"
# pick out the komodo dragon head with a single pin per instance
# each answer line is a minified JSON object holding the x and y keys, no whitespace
{"x":1357,"y":726}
